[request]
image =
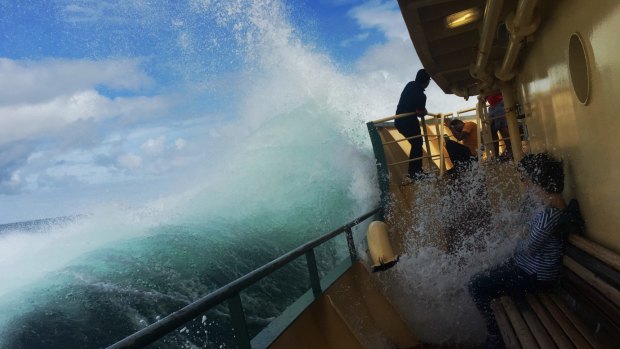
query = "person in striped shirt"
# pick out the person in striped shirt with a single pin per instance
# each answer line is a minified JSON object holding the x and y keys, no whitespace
{"x":536,"y":262}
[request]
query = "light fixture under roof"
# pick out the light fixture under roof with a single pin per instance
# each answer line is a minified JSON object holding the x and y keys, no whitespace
{"x":462,"y":18}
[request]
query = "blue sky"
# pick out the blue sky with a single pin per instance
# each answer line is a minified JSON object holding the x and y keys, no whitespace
{"x":97,"y":95}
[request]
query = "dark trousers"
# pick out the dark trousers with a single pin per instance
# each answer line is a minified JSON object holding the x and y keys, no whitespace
{"x":459,"y":154}
{"x":499,"y":125}
{"x":411,"y":128}
{"x":506,"y":279}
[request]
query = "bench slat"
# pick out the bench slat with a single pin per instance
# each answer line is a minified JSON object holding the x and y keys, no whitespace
{"x":590,"y":276}
{"x":522,"y":331}
{"x":552,"y":327}
{"x":581,"y":289}
{"x":537,"y":329}
{"x":607,"y":290}
{"x":609,"y":257}
{"x":510,"y":338}
{"x":602,"y":270}
{"x":581,"y":327}
{"x":568,"y":328}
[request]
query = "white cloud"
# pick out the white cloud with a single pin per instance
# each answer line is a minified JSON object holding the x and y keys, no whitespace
{"x":36,"y":81}
{"x":15,"y":180}
{"x":29,"y":121}
{"x":180,"y":143}
{"x":396,"y":55}
{"x":79,"y":13}
{"x":383,"y":16}
{"x":12,"y":183}
{"x":75,"y":173}
{"x":129,"y":161}
{"x":49,"y":95}
{"x":97,"y":11}
{"x":53,"y":106}
{"x":357,"y":38}
{"x":154,"y":146}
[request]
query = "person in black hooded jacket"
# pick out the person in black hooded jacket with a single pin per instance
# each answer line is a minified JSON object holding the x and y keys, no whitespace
{"x":413,"y":100}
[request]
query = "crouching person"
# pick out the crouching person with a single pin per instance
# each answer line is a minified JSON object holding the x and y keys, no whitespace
{"x":536,"y":262}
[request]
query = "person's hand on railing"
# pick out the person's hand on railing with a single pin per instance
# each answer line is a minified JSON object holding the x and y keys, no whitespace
{"x":421,"y":112}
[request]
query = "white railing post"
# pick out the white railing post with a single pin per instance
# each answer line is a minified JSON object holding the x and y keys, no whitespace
{"x":442,"y":158}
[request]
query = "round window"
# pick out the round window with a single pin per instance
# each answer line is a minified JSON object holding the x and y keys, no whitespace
{"x":579,"y":68}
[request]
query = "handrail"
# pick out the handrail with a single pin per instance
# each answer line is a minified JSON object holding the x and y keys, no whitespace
{"x":466,"y":110}
{"x":438,"y":120}
{"x":230,"y":291}
{"x":424,"y":135}
{"x":412,"y":137}
{"x":415,"y":159}
{"x":397,"y":116}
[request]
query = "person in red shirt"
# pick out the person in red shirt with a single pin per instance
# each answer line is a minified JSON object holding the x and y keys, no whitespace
{"x":498,"y":123}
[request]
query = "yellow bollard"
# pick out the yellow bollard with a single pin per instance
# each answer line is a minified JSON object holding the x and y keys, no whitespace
{"x":381,"y":252}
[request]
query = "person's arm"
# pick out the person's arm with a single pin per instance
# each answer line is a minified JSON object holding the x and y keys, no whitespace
{"x":420,"y":102}
{"x":457,"y":134}
{"x":539,"y":233}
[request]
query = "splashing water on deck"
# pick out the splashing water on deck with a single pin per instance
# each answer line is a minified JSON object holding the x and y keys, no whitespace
{"x":460,"y":228}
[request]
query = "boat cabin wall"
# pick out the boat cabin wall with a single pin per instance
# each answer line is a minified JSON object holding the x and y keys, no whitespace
{"x":585,"y":135}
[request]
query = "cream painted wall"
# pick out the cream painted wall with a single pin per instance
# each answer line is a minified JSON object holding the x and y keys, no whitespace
{"x":587,"y":137}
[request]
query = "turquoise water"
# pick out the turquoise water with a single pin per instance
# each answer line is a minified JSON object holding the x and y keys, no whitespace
{"x":108,"y":275}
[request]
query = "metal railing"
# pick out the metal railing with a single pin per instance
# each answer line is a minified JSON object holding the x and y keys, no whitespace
{"x":439,"y":130}
{"x":484,"y":132}
{"x":435,"y":119}
{"x":231,"y":292}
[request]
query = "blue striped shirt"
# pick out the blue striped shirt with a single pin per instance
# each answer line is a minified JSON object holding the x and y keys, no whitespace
{"x":541,"y":252}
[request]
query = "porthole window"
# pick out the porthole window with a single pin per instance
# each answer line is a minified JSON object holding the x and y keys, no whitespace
{"x":579,"y":68}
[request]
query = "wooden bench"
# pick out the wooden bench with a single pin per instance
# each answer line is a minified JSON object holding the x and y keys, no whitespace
{"x":583,"y":312}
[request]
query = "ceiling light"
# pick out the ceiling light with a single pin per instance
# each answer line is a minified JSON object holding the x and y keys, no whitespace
{"x":462,"y":17}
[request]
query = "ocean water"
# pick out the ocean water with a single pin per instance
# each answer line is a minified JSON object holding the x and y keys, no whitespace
{"x":88,"y":281}
{"x":93,"y":280}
